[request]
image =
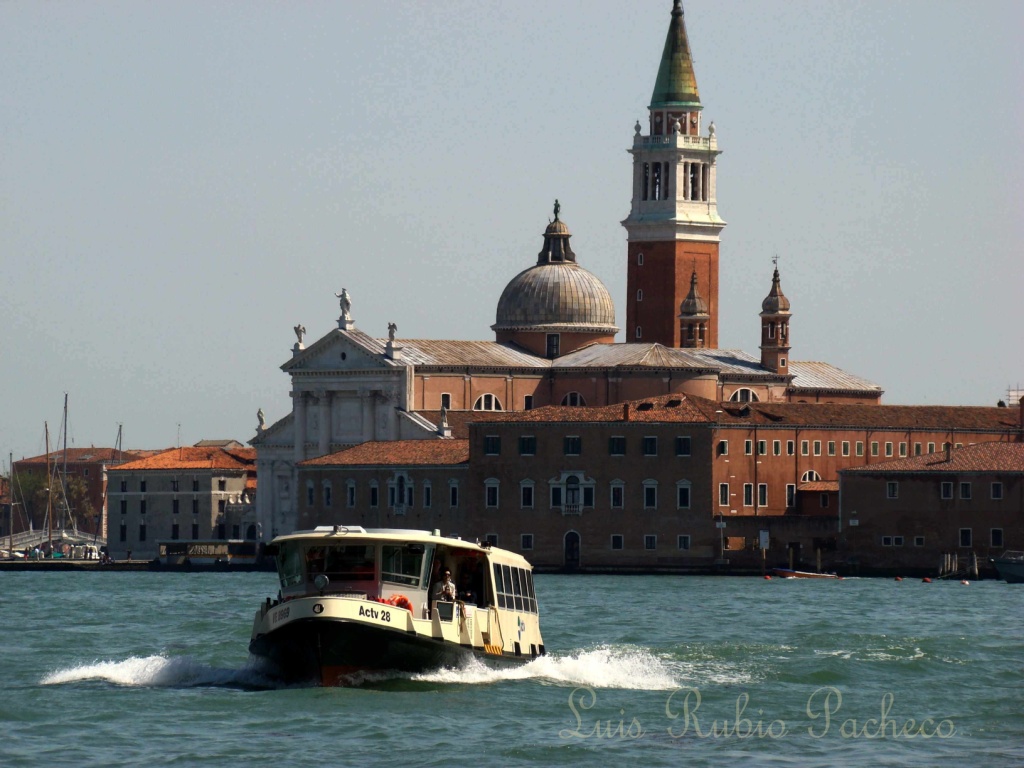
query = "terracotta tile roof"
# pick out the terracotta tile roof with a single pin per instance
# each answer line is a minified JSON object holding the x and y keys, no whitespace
{"x":674,"y":408}
{"x":459,"y":421}
{"x":186,"y":458}
{"x":820,"y":486}
{"x":396,"y":452}
{"x":838,"y":415}
{"x":84,"y":456}
{"x":980,"y":457}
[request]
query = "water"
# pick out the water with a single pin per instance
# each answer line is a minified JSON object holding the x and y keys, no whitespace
{"x":127,"y":669}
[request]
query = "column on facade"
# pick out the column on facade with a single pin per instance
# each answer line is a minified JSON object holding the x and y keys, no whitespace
{"x":299,"y":414}
{"x":324,"y":399}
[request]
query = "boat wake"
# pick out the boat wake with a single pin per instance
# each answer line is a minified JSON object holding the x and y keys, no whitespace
{"x":159,"y":672}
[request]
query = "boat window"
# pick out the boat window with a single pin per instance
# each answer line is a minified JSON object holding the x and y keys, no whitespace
{"x":533,"y":595}
{"x":289,"y":564}
{"x":402,"y":565}
{"x":517,"y":582}
{"x":517,"y":595}
{"x":499,"y":586}
{"x":353,"y":562}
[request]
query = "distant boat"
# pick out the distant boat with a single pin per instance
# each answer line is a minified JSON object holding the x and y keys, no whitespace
{"x":1010,"y":565}
{"x":787,"y":573}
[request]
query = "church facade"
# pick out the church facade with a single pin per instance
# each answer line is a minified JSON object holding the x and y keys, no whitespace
{"x":555,"y":326}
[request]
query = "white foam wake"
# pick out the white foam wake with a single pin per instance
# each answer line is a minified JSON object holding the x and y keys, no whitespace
{"x":627,"y":667}
{"x":154,"y":671}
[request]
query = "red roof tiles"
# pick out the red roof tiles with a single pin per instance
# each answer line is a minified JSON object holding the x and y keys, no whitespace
{"x":195,"y":458}
{"x":397,"y":452}
{"x":981,"y":457}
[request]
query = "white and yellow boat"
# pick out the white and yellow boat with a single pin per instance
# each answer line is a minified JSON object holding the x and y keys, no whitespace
{"x":355,"y":599}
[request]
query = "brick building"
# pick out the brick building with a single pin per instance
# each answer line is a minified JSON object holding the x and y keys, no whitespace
{"x":672,"y":482}
{"x":193,"y":493}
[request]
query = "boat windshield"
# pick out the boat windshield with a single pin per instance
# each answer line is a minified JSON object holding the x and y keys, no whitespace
{"x":402,"y":565}
{"x":349,"y":562}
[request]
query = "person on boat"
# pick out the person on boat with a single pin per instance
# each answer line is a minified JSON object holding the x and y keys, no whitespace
{"x":445,"y":589}
{"x":466,"y":592}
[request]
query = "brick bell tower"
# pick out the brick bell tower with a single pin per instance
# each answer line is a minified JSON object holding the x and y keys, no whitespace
{"x":673,"y":225}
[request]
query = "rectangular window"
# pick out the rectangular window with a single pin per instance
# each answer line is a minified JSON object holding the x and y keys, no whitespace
{"x":650,"y":497}
{"x":618,"y":493}
{"x":965,"y":491}
{"x":996,"y":538}
{"x":553,"y":344}
{"x":428,"y":496}
{"x":124,"y":532}
{"x":805,"y":448}
{"x":650,"y":446}
{"x":723,"y":447}
{"x":492,"y":445}
{"x":817,"y":447}
{"x":791,"y":448}
{"x":374,"y":495}
{"x":195,"y":506}
{"x":588,"y":496}
{"x":683,"y":497}
{"x":527,"y":496}
{"x":831,"y":447}
{"x":931,"y":447}
{"x":762,"y":494}
{"x":946,"y":490}
{"x":174,"y":485}
{"x":748,"y":494}
{"x":528,"y":403}
{"x":222,"y":484}
{"x":236,"y":531}
{"x":748,"y":447}
{"x":350,"y":492}
{"x":221,"y":507}
{"x":221,"y":531}
{"x":175,"y":509}
{"x":142,"y":507}
{"x":919,"y":541}
{"x":124,"y":486}
{"x":328,"y":496}
{"x":453,"y":495}
{"x":682,"y":445}
{"x":997,"y":491}
{"x":142,"y":531}
{"x":917,"y":449}
{"x":965,"y":537}
{"x":124,"y":506}
{"x":650,"y":541}
{"x":309,"y":496}
{"x":874,"y":447}
{"x":859,"y":448}
{"x":526,"y":541}
{"x":616,"y":446}
{"x":142,"y":486}
{"x":776,"y":447}
{"x":491,"y":495}
{"x":616,"y":541}
{"x":897,"y":541}
{"x":527,"y":445}
{"x":556,"y":496}
{"x":823,"y":500}
{"x":446,"y":401}
{"x":887,"y":541}
{"x":195,"y":484}
{"x":195,"y":531}
{"x":888,"y":449}
{"x":762,"y":447}
{"x":892,"y":489}
{"x":723,"y":494}
{"x":903,"y":450}
{"x":683,"y":541}
{"x":572,"y":445}
{"x":790,"y":495}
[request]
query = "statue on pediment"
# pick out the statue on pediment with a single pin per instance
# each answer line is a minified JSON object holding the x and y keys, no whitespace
{"x":392,"y":330}
{"x":262,"y":419}
{"x":346,"y":305}
{"x":300,"y":331}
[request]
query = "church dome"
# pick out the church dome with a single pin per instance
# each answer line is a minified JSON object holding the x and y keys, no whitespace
{"x":775,"y":302}
{"x":556,"y":295}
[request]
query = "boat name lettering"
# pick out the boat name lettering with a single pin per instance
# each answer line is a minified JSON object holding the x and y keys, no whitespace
{"x":280,"y":615}
{"x":373,"y":613}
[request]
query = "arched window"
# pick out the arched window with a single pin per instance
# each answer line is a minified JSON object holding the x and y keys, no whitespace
{"x":574,"y":399}
{"x":487,"y":403}
{"x":639,"y":259}
{"x":744,"y":395}
{"x":810,"y":476}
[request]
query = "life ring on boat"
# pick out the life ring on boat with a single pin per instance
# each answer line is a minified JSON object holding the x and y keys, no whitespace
{"x":401,"y":601}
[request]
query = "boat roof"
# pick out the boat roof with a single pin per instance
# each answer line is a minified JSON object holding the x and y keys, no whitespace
{"x":403,"y":535}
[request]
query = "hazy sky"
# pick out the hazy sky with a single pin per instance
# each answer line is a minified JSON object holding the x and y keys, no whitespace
{"x":183,"y":182}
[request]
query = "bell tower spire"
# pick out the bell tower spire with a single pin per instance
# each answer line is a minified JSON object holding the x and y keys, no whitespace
{"x":775,"y":316}
{"x":673,"y":221}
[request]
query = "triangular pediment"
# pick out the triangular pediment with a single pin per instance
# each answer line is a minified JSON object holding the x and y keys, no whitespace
{"x":342,"y":351}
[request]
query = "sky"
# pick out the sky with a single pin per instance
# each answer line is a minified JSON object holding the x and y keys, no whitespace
{"x":181,"y":183}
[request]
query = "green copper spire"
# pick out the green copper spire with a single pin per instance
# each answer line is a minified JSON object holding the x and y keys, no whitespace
{"x":676,"y":85}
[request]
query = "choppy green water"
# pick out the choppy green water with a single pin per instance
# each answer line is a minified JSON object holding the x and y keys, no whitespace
{"x":125,"y":669}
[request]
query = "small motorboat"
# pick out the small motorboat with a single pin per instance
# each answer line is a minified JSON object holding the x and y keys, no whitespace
{"x":361,"y":600}
{"x":788,"y":573}
{"x":1010,"y":566}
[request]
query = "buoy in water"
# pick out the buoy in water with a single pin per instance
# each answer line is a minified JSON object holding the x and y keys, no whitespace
{"x":898,"y":578}
{"x":767,"y":577}
{"x":926,"y":580}
{"x":966,"y":583}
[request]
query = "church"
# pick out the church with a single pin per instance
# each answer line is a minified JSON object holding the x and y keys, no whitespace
{"x":555,"y":325}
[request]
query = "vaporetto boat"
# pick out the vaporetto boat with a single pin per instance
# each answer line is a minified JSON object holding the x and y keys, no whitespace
{"x":355,"y":600}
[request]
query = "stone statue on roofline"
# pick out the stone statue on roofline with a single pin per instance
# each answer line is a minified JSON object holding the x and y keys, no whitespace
{"x":346,"y":304}
{"x":392,"y":330}
{"x":262,"y":419}
{"x":300,"y":331}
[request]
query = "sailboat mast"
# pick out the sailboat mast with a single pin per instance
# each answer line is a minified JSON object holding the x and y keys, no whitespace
{"x":10,"y":492}
{"x":49,"y":491}
{"x":64,"y":475}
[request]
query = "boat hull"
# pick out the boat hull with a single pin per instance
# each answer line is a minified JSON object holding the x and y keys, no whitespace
{"x":1010,"y":571}
{"x":328,"y":652}
{"x":786,"y":573}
